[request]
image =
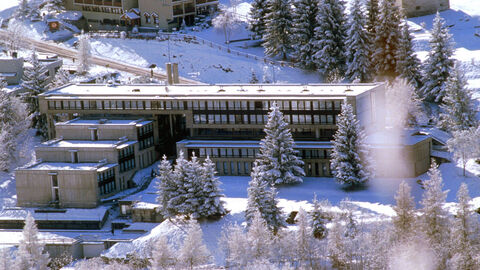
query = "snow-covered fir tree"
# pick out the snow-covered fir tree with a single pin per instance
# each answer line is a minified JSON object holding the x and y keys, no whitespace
{"x":320,"y":218}
{"x":163,"y":256}
{"x":258,"y":14}
{"x":408,"y":65}
{"x":351,"y":229}
{"x":434,"y":221}
{"x":459,"y":111}
{"x":464,"y":236}
{"x":24,"y":10}
{"x":166,"y":187}
{"x":83,"y":54}
{"x":329,"y":39}
{"x":278,"y":31}
{"x":260,"y":238}
{"x":177,"y":196}
{"x":465,"y":145}
{"x":8,"y":147}
{"x":30,"y":253}
{"x":404,"y":220}
{"x":211,"y":204}
{"x":193,"y":251}
{"x":278,"y":159}
{"x":439,"y":63}
{"x":193,"y":184}
{"x":262,"y":199}
{"x":61,"y":78}
{"x":235,"y":245}
{"x":304,"y":24}
{"x":387,"y":36}
{"x":358,"y":46}
{"x":54,"y":6}
{"x":404,"y":106}
{"x":350,"y":158}
{"x":372,"y":9}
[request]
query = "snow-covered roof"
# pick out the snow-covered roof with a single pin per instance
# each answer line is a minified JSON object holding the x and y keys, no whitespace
{"x":145,"y":205}
{"x":219,"y":91}
{"x":131,"y":15}
{"x":251,"y":144}
{"x":85,"y":144}
{"x":8,"y":74}
{"x":391,"y":138}
{"x":70,"y":15}
{"x":17,"y":213}
{"x":97,"y":122}
{"x":63,"y":166}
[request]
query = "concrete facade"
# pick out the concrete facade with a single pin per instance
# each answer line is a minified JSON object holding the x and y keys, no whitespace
{"x":415,"y":8}
{"x":11,"y":69}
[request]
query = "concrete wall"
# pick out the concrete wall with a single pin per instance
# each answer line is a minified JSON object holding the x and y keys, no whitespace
{"x":76,"y":188}
{"x":146,"y":215}
{"x":14,"y":65}
{"x":414,"y":8}
{"x":105,"y":132}
{"x":85,"y":154}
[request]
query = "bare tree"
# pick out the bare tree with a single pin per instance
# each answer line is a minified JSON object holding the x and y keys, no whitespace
{"x":227,"y":22}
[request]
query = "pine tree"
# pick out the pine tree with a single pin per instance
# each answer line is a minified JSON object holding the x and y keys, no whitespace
{"x":24,"y":10}
{"x":194,"y":196}
{"x":163,"y":257}
{"x":319,"y":218}
{"x":408,"y":65}
{"x":350,"y":161}
{"x":6,"y":259}
{"x":166,"y":186}
{"x":330,"y":39}
{"x":61,"y":78}
{"x":387,"y":35}
{"x":211,"y":205}
{"x":304,"y":24}
{"x":30,"y":254}
{"x":439,"y":63}
{"x":464,"y":233}
{"x":278,"y":22}
{"x":258,"y":14}
{"x":262,"y":199}
{"x":404,"y":220}
{"x":277,"y":157}
{"x":464,"y":145}
{"x":358,"y":48}
{"x":404,"y":107}
{"x":434,"y":220}
{"x":259,"y":237}
{"x":193,"y":251}
{"x":177,"y":204}
{"x":337,"y":251}
{"x":459,"y":112}
{"x":372,"y":16}
{"x":56,"y":6}
{"x":8,"y":147}
{"x":83,"y":54}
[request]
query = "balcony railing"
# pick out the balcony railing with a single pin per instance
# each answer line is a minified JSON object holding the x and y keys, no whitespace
{"x":98,"y":2}
{"x":117,"y":3}
{"x":177,"y":11}
{"x":107,"y":3}
{"x":88,"y":1}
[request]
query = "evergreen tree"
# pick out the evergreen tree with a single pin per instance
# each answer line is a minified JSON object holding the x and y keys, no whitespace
{"x":166,"y":186}
{"x":439,"y":63}
{"x":163,"y":257}
{"x":278,"y":22}
{"x":464,"y":233}
{"x":458,"y":109}
{"x":358,"y":46}
{"x":34,"y":83}
{"x":464,"y":145}
{"x":177,"y":204}
{"x":372,"y":16}
{"x":193,"y":251}
{"x":350,"y":162}
{"x":56,"y":6}
{"x":434,"y":220}
{"x":262,"y":199}
{"x":319,"y":218}
{"x":24,"y":10}
{"x":83,"y":54}
{"x":211,"y":204}
{"x":30,"y":254}
{"x":61,"y":78}
{"x":277,"y":157}
{"x":408,"y":65}
{"x":330,"y":39}
{"x":404,"y":220}
{"x":260,"y":238}
{"x":337,"y":250}
{"x":387,"y":36}
{"x":304,"y":24}
{"x":6,"y":259}
{"x":258,"y":14}
{"x":235,"y":246}
{"x":193,"y":184}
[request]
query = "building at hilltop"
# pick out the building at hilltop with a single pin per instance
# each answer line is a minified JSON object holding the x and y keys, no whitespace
{"x":415,"y":8}
{"x":159,"y":14}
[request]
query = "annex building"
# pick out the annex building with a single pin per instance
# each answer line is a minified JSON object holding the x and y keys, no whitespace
{"x":415,"y":8}
{"x":161,"y":14}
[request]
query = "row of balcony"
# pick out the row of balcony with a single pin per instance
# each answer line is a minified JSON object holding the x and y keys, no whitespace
{"x":113,"y":3}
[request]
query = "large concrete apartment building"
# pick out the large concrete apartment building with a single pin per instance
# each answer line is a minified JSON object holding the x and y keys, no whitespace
{"x":161,"y":14}
{"x":87,"y":161}
{"x":415,"y":8}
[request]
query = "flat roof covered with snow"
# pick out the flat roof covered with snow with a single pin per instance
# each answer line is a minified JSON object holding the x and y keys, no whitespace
{"x":391,"y":138}
{"x":99,"y":122}
{"x":251,"y":144}
{"x":218,"y":91}
{"x":64,"y":166}
{"x":85,"y":144}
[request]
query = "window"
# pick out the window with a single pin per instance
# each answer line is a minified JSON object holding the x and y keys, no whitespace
{"x":55,"y":187}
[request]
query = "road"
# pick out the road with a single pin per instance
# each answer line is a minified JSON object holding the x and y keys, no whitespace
{"x":50,"y":47}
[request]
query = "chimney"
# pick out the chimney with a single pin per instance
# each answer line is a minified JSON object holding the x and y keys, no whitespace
{"x":169,"y":74}
{"x":175,"y":73}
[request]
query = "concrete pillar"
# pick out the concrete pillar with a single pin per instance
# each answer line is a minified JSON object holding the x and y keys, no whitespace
{"x":169,"y":73}
{"x":175,"y":73}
